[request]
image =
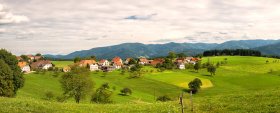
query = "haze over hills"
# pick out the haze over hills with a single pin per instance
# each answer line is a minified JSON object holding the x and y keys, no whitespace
{"x":154,"y":50}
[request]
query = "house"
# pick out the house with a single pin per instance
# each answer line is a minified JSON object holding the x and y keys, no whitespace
{"x":181,"y":65}
{"x":117,"y":65}
{"x":41,"y":64}
{"x":180,"y":60}
{"x":127,"y":60}
{"x":117,"y":59}
{"x":31,"y":57}
{"x":117,"y":62}
{"x":188,"y":59}
{"x":194,"y":60}
{"x":143,"y":61}
{"x":24,"y":67}
{"x":157,"y":61}
{"x":104,"y":62}
{"x":91,"y":64}
{"x":66,"y":69}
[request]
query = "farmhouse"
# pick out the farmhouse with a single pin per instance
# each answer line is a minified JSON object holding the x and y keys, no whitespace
{"x":42,"y":64}
{"x":157,"y":61}
{"x":127,"y":60}
{"x":143,"y":61}
{"x":104,"y":62}
{"x":19,"y":58}
{"x":24,"y":67}
{"x":91,"y":64}
{"x":181,"y":66}
{"x":117,"y":63}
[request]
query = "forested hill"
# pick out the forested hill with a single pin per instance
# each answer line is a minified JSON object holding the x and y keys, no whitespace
{"x":154,"y":50}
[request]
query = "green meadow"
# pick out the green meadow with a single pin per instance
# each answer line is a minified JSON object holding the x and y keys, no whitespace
{"x":243,"y":84}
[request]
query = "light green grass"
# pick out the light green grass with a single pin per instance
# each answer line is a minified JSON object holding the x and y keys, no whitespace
{"x":244,"y":84}
{"x":62,"y":64}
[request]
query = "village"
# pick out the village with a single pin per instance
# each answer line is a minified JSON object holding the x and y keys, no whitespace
{"x":36,"y":62}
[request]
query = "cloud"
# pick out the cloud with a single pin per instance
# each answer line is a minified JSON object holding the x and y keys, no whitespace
{"x":141,"y":17}
{"x":64,"y":26}
{"x":7,"y":17}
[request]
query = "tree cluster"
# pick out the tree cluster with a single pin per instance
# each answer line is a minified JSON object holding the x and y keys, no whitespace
{"x":11,"y":77}
{"x":232,"y":52}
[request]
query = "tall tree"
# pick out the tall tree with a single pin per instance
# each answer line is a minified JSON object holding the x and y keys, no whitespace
{"x":77,"y":59}
{"x":197,"y":66}
{"x":172,"y":55}
{"x":211,"y":69}
{"x":25,"y":58}
{"x":38,"y":54}
{"x":12,"y":62}
{"x":6,"y":80}
{"x":77,"y":83}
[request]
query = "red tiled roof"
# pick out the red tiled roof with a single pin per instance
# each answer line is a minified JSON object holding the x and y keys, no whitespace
{"x":102,"y":61}
{"x":116,"y":59}
{"x":143,"y":60}
{"x":157,"y":61}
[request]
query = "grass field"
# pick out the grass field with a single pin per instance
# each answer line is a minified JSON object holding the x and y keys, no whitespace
{"x":244,"y":84}
{"x":62,"y":64}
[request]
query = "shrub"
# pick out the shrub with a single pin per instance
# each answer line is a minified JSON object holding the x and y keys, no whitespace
{"x":126,"y":91}
{"x":102,"y":95}
{"x":49,"y":95}
{"x":194,"y":85}
{"x":163,"y":98}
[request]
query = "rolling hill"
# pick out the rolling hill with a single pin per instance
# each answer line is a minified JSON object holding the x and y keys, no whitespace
{"x":273,"y":49}
{"x":155,"y":50}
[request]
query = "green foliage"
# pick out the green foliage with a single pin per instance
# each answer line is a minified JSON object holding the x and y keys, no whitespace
{"x":181,"y":55}
{"x":126,"y":91}
{"x":17,"y":76}
{"x":163,"y":98}
{"x":38,"y":54}
{"x":195,"y":84}
{"x":171,"y":55}
{"x":132,"y":61}
{"x":77,"y":83}
{"x":77,"y":59}
{"x":102,"y":95}
{"x":211,"y":69}
{"x":25,"y":58}
{"x":197,"y":66}
{"x":6,"y":80}
{"x":49,"y":95}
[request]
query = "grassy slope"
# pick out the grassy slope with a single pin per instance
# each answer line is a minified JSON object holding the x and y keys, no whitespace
{"x":62,"y":64}
{"x":245,"y":82}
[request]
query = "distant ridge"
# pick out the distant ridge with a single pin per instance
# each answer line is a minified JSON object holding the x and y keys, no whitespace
{"x":154,"y":50}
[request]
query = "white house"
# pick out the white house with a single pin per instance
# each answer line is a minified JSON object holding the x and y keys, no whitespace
{"x":181,"y":66}
{"x":117,"y":66}
{"x":24,"y":67}
{"x":93,"y":67}
{"x":104,"y":62}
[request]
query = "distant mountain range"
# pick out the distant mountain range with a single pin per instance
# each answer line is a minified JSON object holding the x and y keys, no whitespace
{"x":271,"y":47}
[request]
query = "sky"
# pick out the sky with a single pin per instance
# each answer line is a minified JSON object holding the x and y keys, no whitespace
{"x":64,"y":26}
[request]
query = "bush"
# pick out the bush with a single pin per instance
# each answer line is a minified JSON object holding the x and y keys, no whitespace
{"x":164,"y":98}
{"x":49,"y":95}
{"x":102,"y":95}
{"x":126,"y":91}
{"x":61,"y":98}
{"x":194,"y":85}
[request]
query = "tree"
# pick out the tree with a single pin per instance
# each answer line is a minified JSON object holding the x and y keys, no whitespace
{"x":194,"y":85}
{"x":77,"y":83}
{"x":77,"y":59}
{"x":93,"y":57}
{"x":197,"y":66}
{"x":211,"y":69}
{"x":163,"y":98}
{"x":12,"y":62}
{"x":132,"y":61}
{"x":181,"y":55}
{"x":171,"y":55}
{"x":38,"y":54}
{"x":102,"y":94}
{"x":24,"y":58}
{"x":6,"y":80}
{"x":126,"y":91}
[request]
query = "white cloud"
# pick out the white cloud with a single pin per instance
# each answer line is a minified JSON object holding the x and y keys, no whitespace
{"x":7,"y":17}
{"x":64,"y":26}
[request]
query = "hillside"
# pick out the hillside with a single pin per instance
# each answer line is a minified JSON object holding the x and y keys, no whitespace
{"x":155,"y":50}
{"x":273,"y":49}
{"x":244,"y":84}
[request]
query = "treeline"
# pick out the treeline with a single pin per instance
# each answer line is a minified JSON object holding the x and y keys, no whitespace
{"x":232,"y":52}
